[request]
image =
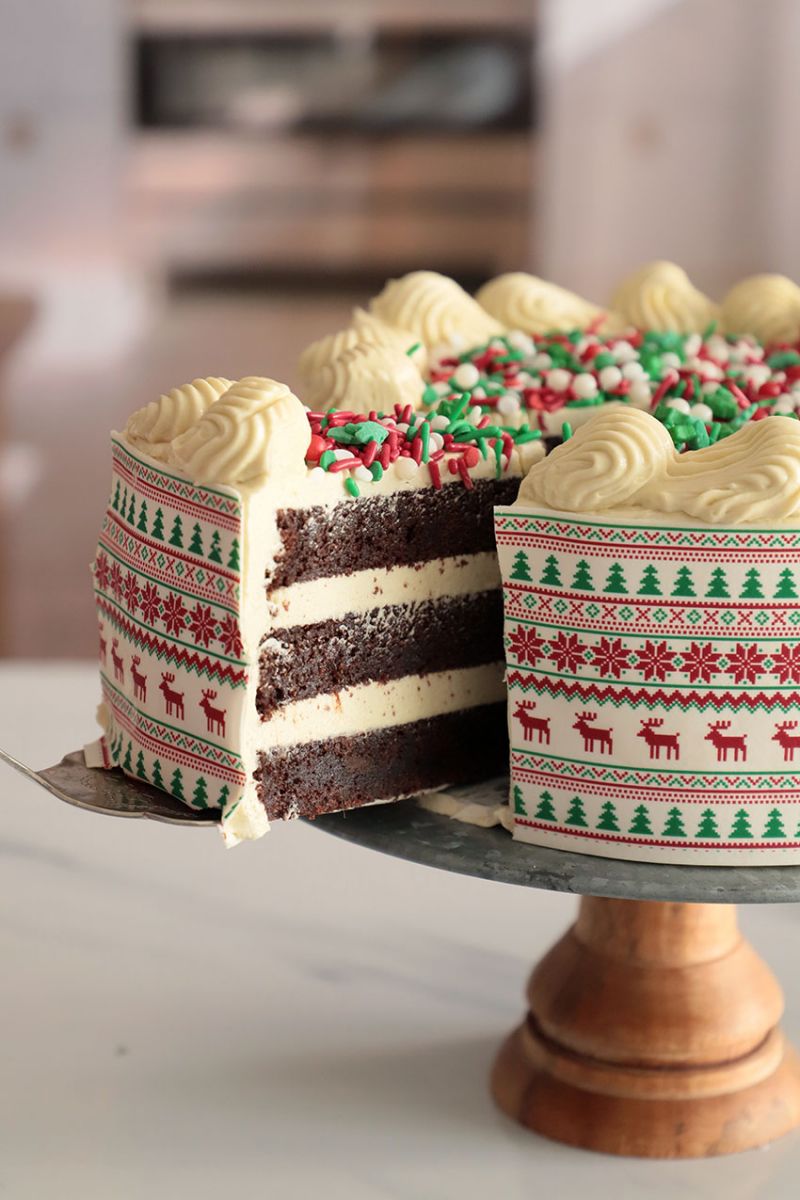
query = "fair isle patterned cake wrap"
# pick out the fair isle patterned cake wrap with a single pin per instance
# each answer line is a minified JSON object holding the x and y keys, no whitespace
{"x":653,"y":686}
{"x":167,"y":588}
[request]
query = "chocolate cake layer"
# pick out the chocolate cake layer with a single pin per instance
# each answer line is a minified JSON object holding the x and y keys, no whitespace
{"x":324,"y":776}
{"x":384,"y":643}
{"x":387,"y":531}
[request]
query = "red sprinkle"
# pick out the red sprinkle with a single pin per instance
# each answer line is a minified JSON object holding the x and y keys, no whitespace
{"x":436,"y":478}
{"x":370,"y":453}
{"x":316,"y":447}
{"x":344,"y":464}
{"x":463,"y":471}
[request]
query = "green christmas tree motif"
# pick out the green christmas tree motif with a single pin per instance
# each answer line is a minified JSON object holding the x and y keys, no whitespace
{"x":132,"y":510}
{"x":127,"y":765}
{"x":774,"y":826}
{"x":545,"y":809}
{"x":641,"y":821}
{"x":140,"y":771}
{"x":684,"y":584}
{"x":141,"y":524}
{"x":608,"y":818}
{"x":158,"y":526}
{"x":223,"y":797}
{"x":718,"y":587}
{"x":214,"y":553}
{"x":741,"y":825}
{"x":521,"y":569}
{"x":674,"y":826}
{"x":519,"y":803}
{"x":115,"y":501}
{"x":157,"y":780}
{"x":196,"y":544}
{"x":582,"y":581}
{"x":616,"y":580}
{"x":649,"y":585}
{"x":176,"y":784}
{"x":752,"y":589}
{"x":176,"y":536}
{"x":233,"y":557}
{"x":200,"y":793}
{"x":577,"y":813}
{"x":123,"y":504}
{"x":786,"y":588}
{"x":551,"y":576}
{"x":708,"y":824}
{"x":116,"y":748}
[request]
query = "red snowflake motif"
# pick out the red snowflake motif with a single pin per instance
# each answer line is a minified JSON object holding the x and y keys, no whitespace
{"x":526,"y":645}
{"x":787,"y":664}
{"x":174,"y":614}
{"x":149,"y":604}
{"x":202,"y":625}
{"x":610,"y":657}
{"x":230,"y":637}
{"x":700,"y":662}
{"x":131,"y":593}
{"x":655,"y":660}
{"x":116,"y":580}
{"x":567,"y":652}
{"x":101,"y":572}
{"x":745,"y":664}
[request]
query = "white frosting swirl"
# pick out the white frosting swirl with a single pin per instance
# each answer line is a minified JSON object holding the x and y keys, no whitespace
{"x":603,"y":465}
{"x":435,"y":309}
{"x":625,"y":459}
{"x":258,"y":428}
{"x":365,"y":329}
{"x":660,"y":296}
{"x":153,"y":427}
{"x":364,"y":378}
{"x":521,"y":301}
{"x":766,"y":306}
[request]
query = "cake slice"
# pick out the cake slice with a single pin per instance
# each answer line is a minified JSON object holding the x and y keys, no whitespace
{"x":301,"y":612}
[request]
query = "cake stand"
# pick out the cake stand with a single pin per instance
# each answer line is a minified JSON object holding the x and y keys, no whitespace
{"x":652,"y":1027}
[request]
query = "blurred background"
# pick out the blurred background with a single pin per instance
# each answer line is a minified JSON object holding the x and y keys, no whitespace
{"x":195,"y":187}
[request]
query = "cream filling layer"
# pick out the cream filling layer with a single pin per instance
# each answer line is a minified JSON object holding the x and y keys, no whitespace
{"x":316,"y":600}
{"x":370,"y":706}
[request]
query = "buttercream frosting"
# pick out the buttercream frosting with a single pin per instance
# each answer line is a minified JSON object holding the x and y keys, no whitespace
{"x":365,"y":329}
{"x":767,"y":306}
{"x":153,"y":427}
{"x":257,"y":428}
{"x":522,"y":301}
{"x":364,"y":378}
{"x":661,"y":296}
{"x":626,"y":460}
{"x":435,"y":309}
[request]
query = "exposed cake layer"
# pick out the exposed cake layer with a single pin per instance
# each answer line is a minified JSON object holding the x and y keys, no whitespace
{"x":378,"y":645}
{"x":384,"y":764}
{"x":385,"y":531}
{"x":377,"y":705}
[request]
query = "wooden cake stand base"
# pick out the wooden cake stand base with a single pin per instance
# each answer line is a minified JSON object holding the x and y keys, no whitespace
{"x":652,"y":1031}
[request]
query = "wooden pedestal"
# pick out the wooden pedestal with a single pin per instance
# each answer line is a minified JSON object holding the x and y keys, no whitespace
{"x":652,"y":1031}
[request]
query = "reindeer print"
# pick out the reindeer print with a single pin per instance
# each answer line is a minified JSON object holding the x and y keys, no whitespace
{"x":531,"y":725}
{"x":656,"y":742}
{"x":103,"y":643}
{"x":173,"y":700}
{"x":723,"y":742}
{"x":215,"y":717}
{"x":139,"y":680}
{"x":789,"y":742}
{"x":118,"y":661}
{"x":593,"y":733}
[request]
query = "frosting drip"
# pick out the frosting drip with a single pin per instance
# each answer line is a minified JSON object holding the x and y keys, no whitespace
{"x":661,"y":296}
{"x":521,"y":301}
{"x":364,"y":378}
{"x":435,"y":309}
{"x":767,"y":306}
{"x":256,"y":428}
{"x":153,"y":427}
{"x":625,"y":459}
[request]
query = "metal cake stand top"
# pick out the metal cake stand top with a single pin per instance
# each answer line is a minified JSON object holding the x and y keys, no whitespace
{"x":407,"y":831}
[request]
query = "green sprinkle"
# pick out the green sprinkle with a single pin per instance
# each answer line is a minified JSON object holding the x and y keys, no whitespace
{"x":377,"y":472}
{"x":430,"y":395}
{"x":425,"y":434}
{"x":589,"y":402}
{"x":710,"y":330}
{"x":482,"y":445}
{"x":360,"y":433}
{"x":352,"y":487}
{"x":413,"y":349}
{"x":566,"y":431}
{"x":524,"y":435}
{"x":783,"y":358}
{"x":326,"y":459}
{"x":498,"y":458}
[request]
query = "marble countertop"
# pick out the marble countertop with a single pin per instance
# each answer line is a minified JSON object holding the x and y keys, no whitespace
{"x":293,"y":1017}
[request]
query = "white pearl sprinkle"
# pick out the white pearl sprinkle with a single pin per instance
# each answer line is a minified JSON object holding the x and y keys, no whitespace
{"x":610,"y":378}
{"x":474,"y":415}
{"x":508,"y":404}
{"x":439,"y":422}
{"x":558,"y":379}
{"x":633,"y":370}
{"x":702,"y":413}
{"x":437,"y":441}
{"x":670,"y":360}
{"x":640,"y":394}
{"x":541,"y":362}
{"x":405,"y":468}
{"x":466,"y":375}
{"x":442,"y":388}
{"x":317,"y":473}
{"x":584,"y":386}
{"x":338,"y":454}
{"x":784,"y":404}
{"x":521,"y":341}
{"x":757,"y":374}
{"x":363,"y":474}
{"x":624,"y":352}
{"x":692,"y":344}
{"x":677,"y":402}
